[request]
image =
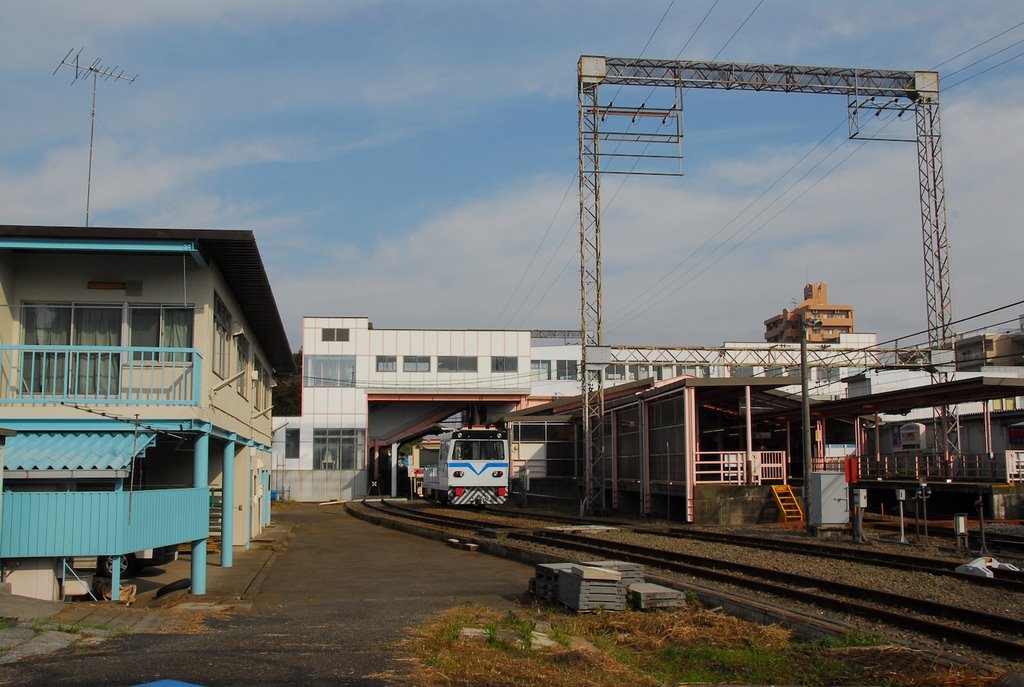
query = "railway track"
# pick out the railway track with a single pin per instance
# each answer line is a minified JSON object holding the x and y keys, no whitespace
{"x":987,"y":632}
{"x":1004,"y":579}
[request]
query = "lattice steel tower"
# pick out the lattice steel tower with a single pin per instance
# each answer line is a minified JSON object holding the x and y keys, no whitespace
{"x":869,"y":91}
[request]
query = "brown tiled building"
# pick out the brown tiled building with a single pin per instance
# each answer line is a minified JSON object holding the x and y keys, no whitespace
{"x":835,"y":319}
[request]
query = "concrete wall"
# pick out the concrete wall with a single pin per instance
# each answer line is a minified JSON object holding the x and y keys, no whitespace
{"x":321,"y":485}
{"x":733,"y":505}
{"x":1008,"y":502}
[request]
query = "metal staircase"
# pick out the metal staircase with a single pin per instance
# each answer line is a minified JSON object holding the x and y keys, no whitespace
{"x":787,"y":502}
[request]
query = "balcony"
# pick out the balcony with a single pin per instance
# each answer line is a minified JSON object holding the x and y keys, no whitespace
{"x":101,"y":375}
{"x":92,"y":523}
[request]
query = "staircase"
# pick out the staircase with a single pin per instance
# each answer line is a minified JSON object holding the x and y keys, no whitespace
{"x":216,"y":519}
{"x":787,"y":503}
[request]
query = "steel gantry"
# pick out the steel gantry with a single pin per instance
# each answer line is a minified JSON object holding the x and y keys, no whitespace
{"x":866,"y":90}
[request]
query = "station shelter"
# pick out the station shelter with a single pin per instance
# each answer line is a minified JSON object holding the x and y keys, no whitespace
{"x":690,"y":449}
{"x":943,"y":442}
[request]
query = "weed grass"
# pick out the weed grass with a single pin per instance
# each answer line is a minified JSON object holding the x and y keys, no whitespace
{"x":677,"y":646}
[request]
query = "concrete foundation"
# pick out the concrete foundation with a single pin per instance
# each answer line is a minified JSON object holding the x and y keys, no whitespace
{"x":721,"y":504}
{"x":324,"y":485}
{"x":1008,"y":502}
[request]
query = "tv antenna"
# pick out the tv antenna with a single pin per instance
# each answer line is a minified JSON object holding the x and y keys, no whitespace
{"x":97,"y":70}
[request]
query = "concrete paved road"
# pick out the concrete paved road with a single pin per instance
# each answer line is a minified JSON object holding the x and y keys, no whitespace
{"x":327,"y":612}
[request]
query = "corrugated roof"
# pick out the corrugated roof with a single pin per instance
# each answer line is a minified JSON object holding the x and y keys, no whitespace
{"x":75,"y":450}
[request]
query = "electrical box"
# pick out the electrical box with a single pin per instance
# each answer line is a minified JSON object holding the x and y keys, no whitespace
{"x":860,"y":498}
{"x":960,"y":524}
{"x":901,"y":494}
{"x":829,"y":503}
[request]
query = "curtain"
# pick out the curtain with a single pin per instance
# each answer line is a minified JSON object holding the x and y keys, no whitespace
{"x":97,"y":373}
{"x":45,"y":372}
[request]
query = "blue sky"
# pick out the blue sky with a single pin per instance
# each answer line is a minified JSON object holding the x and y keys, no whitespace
{"x":415,"y":162}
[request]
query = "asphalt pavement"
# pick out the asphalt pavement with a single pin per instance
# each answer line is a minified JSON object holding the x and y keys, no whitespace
{"x":321,"y":598}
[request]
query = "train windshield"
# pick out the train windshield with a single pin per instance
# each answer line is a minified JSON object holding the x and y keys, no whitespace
{"x":478,"y":450}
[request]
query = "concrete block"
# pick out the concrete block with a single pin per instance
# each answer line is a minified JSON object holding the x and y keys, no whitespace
{"x":586,"y":572}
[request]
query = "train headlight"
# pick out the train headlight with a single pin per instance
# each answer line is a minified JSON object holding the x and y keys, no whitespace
{"x":497,"y":473}
{"x":457,"y":473}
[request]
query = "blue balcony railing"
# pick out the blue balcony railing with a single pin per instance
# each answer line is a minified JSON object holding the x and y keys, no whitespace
{"x":92,"y":523}
{"x":100,"y":375}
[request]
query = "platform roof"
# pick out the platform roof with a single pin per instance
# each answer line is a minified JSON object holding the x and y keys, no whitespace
{"x":984,"y":388}
{"x":568,"y":407}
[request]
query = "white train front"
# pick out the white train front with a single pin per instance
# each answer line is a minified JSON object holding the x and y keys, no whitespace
{"x":472,"y":468}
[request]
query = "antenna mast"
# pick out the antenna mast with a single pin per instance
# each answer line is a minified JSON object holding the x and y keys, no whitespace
{"x":96,"y":69}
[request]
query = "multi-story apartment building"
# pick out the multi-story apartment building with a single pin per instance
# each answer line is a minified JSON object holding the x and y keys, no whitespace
{"x":990,"y":349}
{"x":136,"y":368}
{"x":788,"y":327}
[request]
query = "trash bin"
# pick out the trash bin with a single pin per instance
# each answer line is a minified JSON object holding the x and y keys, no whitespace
{"x":273,"y":495}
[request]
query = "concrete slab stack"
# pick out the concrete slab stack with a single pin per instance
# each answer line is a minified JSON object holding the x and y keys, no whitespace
{"x":585,"y":588}
{"x":645,"y":596}
{"x":631,"y":572}
{"x":544,"y":583}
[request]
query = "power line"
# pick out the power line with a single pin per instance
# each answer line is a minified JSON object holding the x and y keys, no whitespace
{"x":572,"y":179}
{"x":742,"y":24}
{"x":650,"y":304}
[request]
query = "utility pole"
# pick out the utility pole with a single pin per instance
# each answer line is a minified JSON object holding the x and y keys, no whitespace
{"x":96,"y":69}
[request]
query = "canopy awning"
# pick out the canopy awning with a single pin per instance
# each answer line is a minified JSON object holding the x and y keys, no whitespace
{"x":75,"y":450}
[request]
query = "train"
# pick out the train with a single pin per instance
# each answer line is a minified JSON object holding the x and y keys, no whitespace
{"x":472,"y":468}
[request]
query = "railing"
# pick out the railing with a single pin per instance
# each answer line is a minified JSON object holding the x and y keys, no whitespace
{"x":92,"y":523}
{"x":730,"y":467}
{"x":1015,"y":466}
{"x":100,"y":374}
{"x":1005,"y":468}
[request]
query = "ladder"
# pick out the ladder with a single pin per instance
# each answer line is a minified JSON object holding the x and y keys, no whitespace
{"x":787,"y":503}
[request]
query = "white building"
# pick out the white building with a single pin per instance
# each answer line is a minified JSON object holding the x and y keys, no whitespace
{"x":366,"y":391}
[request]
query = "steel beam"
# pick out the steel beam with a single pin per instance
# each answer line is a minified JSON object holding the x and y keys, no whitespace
{"x":920,"y":90}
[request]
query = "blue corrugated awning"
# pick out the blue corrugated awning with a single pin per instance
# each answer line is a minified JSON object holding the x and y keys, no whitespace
{"x":75,"y":450}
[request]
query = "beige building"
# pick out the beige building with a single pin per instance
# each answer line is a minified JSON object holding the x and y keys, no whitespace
{"x":835,"y":319}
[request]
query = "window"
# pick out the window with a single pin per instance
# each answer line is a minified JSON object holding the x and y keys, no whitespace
{"x":504,"y":364}
{"x":540,"y":370}
{"x":615,"y":372}
{"x":456,"y":363}
{"x":416,"y":363}
{"x":242,"y":365}
{"x":387,"y":363}
{"x":291,"y":443}
{"x":158,"y":326}
{"x":639,"y":372}
{"x":334,"y":334}
{"x":566,"y":369}
{"x":328,"y":370}
{"x":263,"y":393}
{"x":221,"y":337}
{"x":92,"y":372}
{"x":337,"y":449}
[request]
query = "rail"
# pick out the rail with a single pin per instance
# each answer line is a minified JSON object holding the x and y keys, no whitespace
{"x":108,"y":375}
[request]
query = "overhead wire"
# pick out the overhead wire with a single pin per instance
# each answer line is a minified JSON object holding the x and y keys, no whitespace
{"x":615,"y":194}
{"x":650,"y":304}
{"x":874,"y":348}
{"x":558,"y":210}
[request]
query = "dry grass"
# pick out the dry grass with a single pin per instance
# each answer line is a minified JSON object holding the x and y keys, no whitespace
{"x":689,"y":645}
